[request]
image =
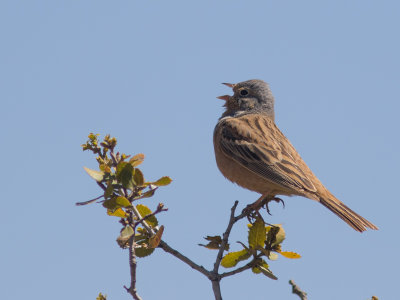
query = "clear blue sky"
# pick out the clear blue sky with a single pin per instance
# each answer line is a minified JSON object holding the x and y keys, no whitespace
{"x":148,"y":73}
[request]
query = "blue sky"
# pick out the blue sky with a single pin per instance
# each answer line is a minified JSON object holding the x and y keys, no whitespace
{"x":148,"y":73}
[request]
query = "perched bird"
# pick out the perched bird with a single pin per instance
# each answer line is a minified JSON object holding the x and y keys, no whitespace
{"x":251,"y":151}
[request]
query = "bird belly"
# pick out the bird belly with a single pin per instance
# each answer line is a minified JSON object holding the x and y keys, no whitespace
{"x":242,"y":176}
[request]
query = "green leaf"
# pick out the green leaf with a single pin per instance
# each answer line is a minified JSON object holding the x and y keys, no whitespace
{"x":163,"y":181}
{"x":231,"y":259}
{"x":138,"y":177}
{"x":96,"y":175}
{"x":109,"y":190}
{"x":124,"y":236}
{"x":123,"y":202}
{"x":257,"y":234}
{"x":117,"y":213}
{"x":144,"y":211}
{"x":111,"y":204}
{"x":214,"y":243}
{"x":143,"y":251}
{"x":124,"y":174}
{"x":101,"y":297}
{"x":116,"y":202}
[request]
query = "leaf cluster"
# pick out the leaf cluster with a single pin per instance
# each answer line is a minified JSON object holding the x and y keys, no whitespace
{"x":123,"y":184}
{"x":263,"y":242}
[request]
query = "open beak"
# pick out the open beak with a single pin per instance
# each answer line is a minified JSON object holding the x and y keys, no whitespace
{"x":227,"y":97}
{"x":224,"y":97}
{"x":231,"y":85}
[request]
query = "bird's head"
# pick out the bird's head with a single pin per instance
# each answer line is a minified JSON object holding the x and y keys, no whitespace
{"x":251,"y":96}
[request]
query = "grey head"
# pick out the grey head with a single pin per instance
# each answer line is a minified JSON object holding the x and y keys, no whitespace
{"x":251,"y":96}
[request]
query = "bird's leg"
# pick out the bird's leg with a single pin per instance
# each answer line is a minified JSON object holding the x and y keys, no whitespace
{"x":263,"y":201}
{"x":255,"y":206}
{"x":252,"y":210}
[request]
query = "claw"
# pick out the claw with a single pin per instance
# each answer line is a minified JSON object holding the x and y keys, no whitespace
{"x":276,"y":199}
{"x":252,"y":210}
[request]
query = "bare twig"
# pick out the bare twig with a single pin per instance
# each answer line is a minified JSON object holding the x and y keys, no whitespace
{"x":89,"y":201}
{"x":132,"y":264}
{"x":163,"y":245}
{"x":296,"y":290}
{"x":132,"y":255}
{"x":215,"y":276}
{"x":225,"y":238}
{"x":238,"y":270}
{"x":115,"y":160}
{"x":216,"y":289}
{"x":101,"y":185}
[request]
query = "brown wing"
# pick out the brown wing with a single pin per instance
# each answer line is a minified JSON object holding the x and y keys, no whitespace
{"x":255,"y":142}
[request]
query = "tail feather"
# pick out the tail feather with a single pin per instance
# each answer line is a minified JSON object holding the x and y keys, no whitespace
{"x":357,"y":222}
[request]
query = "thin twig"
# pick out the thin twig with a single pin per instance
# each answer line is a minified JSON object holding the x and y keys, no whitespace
{"x":114,"y":158}
{"x":163,"y":245}
{"x":215,"y":276}
{"x":88,"y":201}
{"x":296,"y":290}
{"x":132,"y":264}
{"x":160,"y":208}
{"x":238,"y":270}
{"x":144,"y":223}
{"x":225,"y":238}
{"x":101,"y":185}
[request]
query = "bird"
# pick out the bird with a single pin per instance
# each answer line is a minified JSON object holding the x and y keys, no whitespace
{"x":252,"y":152}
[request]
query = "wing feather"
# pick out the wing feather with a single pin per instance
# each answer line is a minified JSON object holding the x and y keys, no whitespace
{"x":255,"y":142}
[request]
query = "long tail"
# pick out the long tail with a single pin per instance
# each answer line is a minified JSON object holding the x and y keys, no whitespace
{"x":346,"y":214}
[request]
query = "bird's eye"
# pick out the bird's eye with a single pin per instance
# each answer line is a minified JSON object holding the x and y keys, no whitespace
{"x":244,"y":92}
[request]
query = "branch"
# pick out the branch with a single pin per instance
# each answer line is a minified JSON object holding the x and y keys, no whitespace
{"x":215,"y":276}
{"x":296,"y":290}
{"x":132,"y":255}
{"x":132,"y":263}
{"x":163,"y":245}
{"x":225,"y":238}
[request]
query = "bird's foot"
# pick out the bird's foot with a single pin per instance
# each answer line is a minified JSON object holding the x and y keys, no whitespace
{"x":252,"y":211}
{"x":254,"y":207}
{"x":267,"y":201}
